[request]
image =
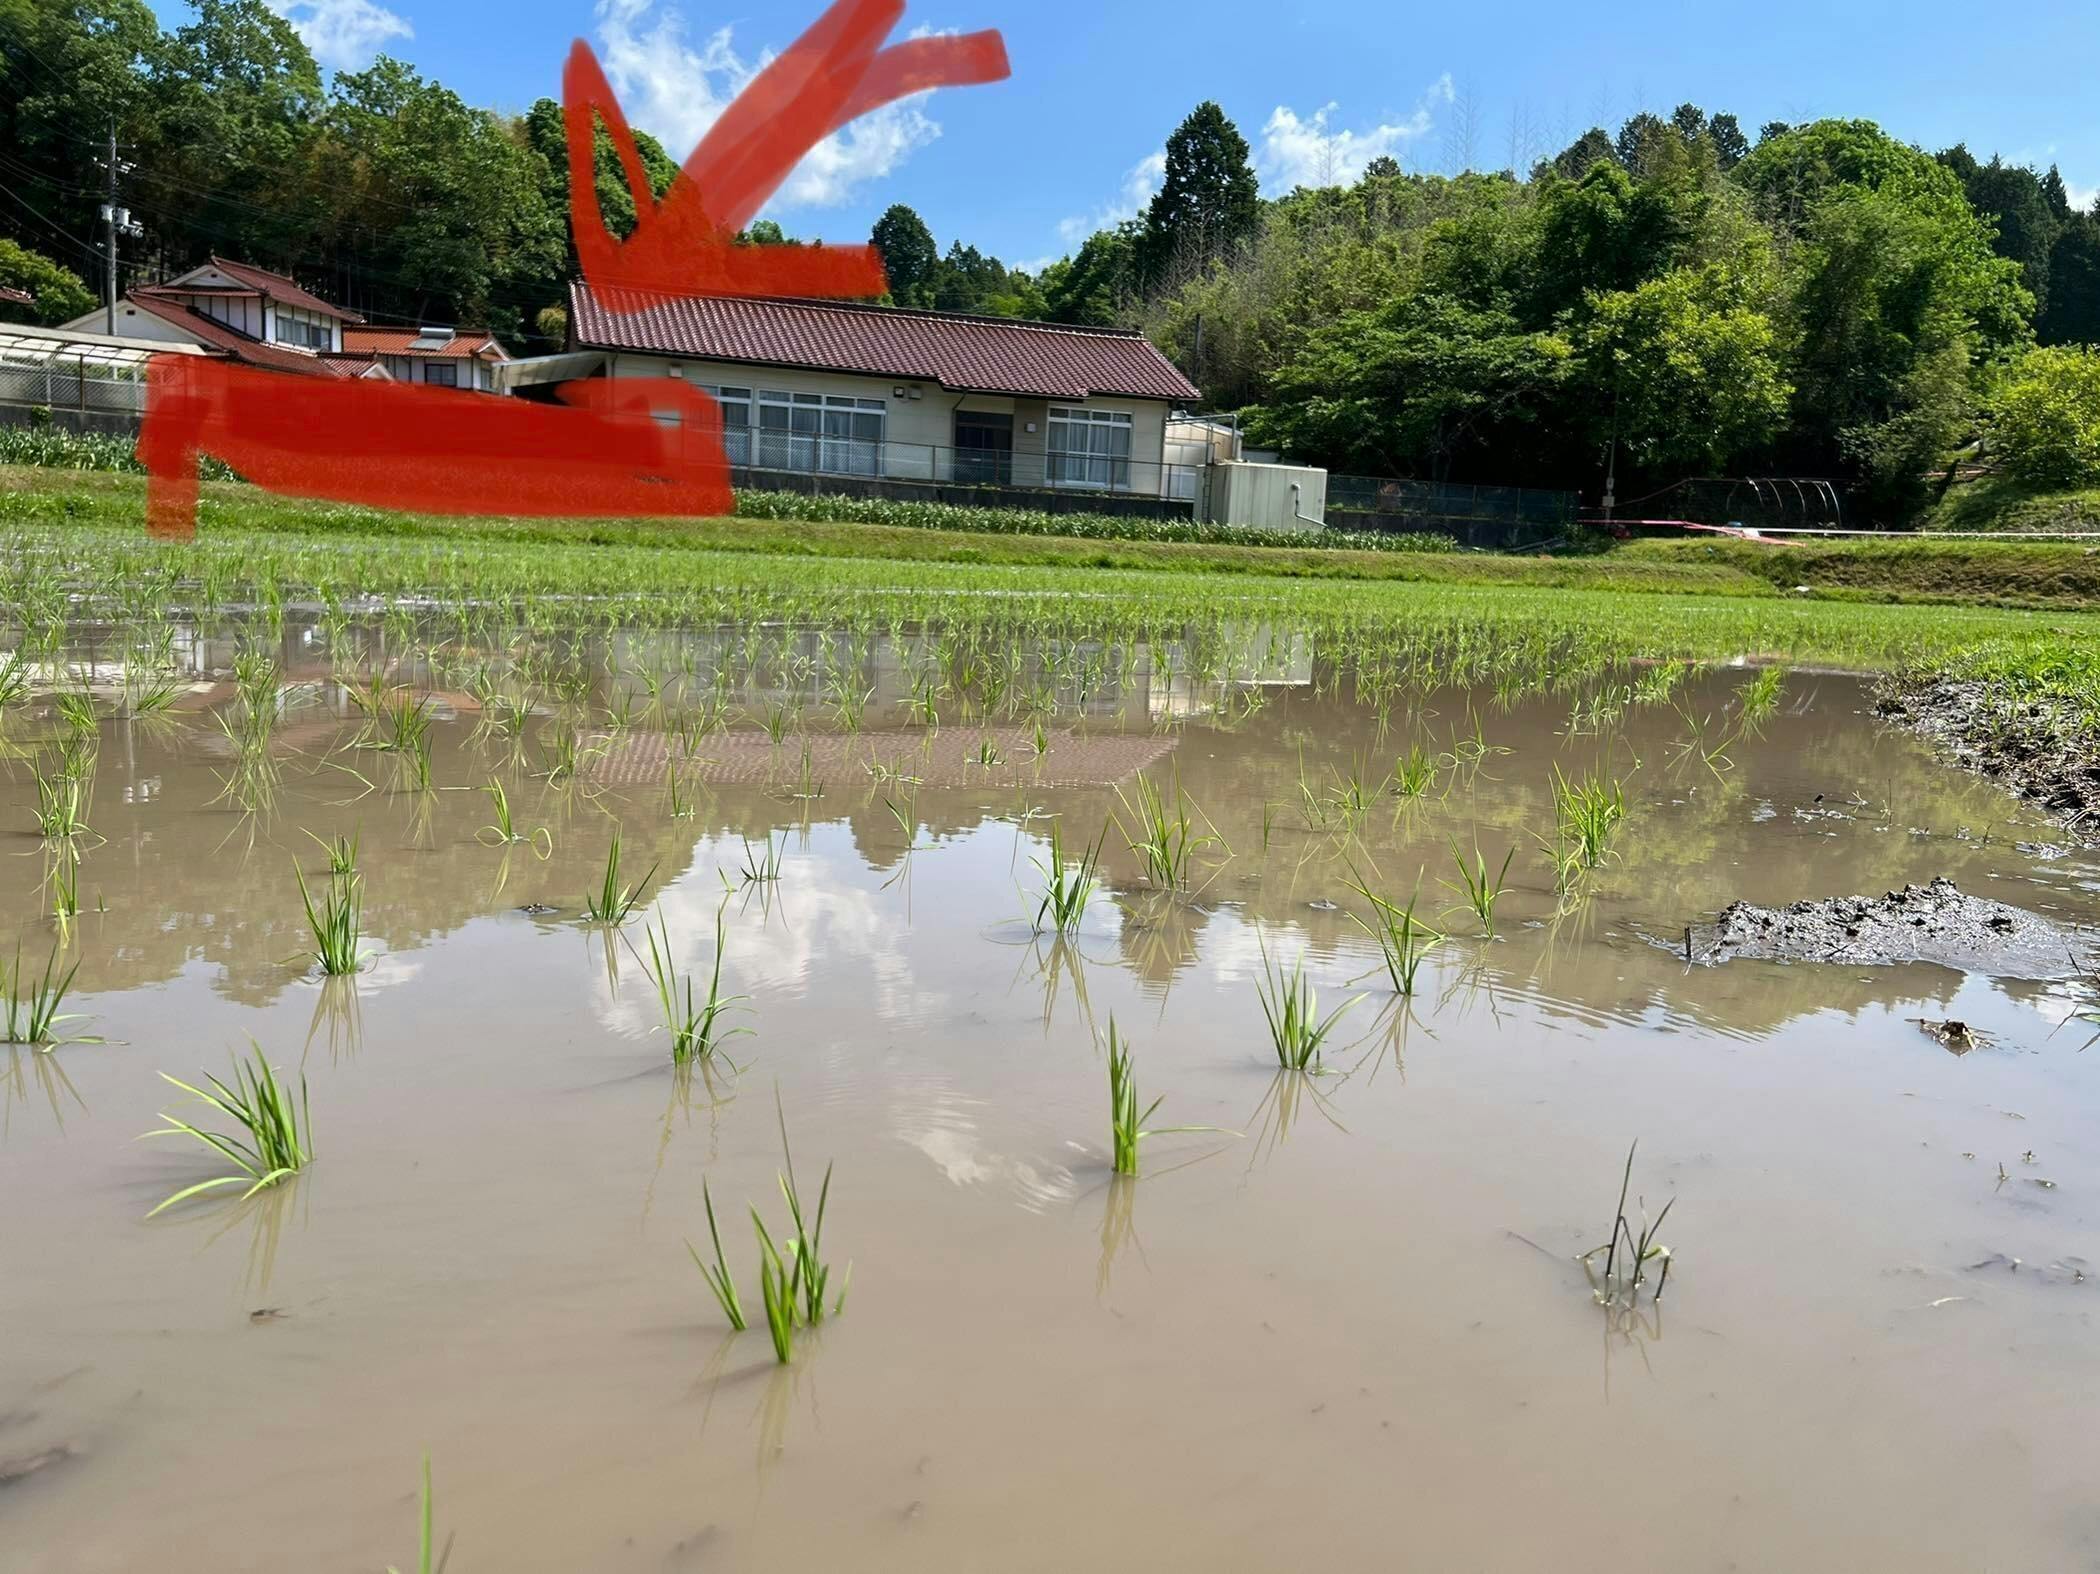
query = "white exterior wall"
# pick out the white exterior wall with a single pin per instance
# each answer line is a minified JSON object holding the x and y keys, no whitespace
{"x":1261,"y":496}
{"x":132,"y":323}
{"x":919,"y":433}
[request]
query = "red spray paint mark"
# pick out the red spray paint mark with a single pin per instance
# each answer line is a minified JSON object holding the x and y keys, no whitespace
{"x":606,"y":449}
{"x":602,"y":451}
{"x":685,"y":244}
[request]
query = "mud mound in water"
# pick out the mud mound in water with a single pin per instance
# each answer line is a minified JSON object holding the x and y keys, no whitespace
{"x":1920,"y":923}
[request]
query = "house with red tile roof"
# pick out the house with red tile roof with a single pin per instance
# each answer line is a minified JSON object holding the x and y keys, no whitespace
{"x":246,"y":313}
{"x":831,"y":388}
{"x":269,"y":320}
{"x":441,"y":357}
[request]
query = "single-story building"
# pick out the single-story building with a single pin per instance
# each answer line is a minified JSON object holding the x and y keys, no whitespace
{"x":836,"y":388}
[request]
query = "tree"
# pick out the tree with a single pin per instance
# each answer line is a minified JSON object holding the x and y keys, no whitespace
{"x":1208,"y":200}
{"x":2014,"y":200}
{"x":68,"y":69}
{"x":1688,"y":369}
{"x":1640,"y":140}
{"x":1731,"y":147}
{"x":1594,"y":147}
{"x":1894,"y":297}
{"x":58,"y":294}
{"x":1605,"y":232}
{"x":236,"y":96}
{"x":1383,"y":167}
{"x":2073,"y":316}
{"x":2055,"y":195}
{"x":1413,"y":387}
{"x":1688,"y":121}
{"x":442,"y":201}
{"x":908,"y":255}
{"x":1093,"y":287}
{"x":2046,"y":418}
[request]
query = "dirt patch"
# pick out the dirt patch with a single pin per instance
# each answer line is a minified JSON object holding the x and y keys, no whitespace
{"x":2035,"y":749}
{"x":1920,"y":923}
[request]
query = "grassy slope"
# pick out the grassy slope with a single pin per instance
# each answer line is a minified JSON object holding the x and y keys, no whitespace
{"x":1995,"y":503}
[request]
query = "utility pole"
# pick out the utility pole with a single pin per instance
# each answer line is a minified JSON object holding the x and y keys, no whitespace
{"x":109,"y":219}
{"x":116,"y":221}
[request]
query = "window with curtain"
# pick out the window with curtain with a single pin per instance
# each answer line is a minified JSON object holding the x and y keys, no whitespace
{"x":1089,"y":448}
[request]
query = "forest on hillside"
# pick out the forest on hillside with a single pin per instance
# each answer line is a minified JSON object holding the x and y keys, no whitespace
{"x":1673,"y":298}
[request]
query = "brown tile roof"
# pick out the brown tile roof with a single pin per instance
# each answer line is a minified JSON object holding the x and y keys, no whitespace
{"x":284,"y":291}
{"x":273,"y":357}
{"x":963,"y":353}
{"x":396,"y":341}
{"x":17,"y":297}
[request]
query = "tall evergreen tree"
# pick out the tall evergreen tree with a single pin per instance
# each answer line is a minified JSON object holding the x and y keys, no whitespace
{"x":1208,"y":201}
{"x":909,"y":255}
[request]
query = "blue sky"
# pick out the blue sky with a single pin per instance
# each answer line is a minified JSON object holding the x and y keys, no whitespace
{"x":1024,"y":168}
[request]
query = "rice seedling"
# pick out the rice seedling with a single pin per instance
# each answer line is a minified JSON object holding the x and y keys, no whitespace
{"x":776,"y":1288}
{"x":77,"y":711}
{"x":149,"y":694}
{"x":562,"y":758}
{"x":1126,"y":1124}
{"x":1757,"y":699}
{"x":65,"y":887}
{"x":1165,"y":841}
{"x":14,"y":679}
{"x":1066,"y":889}
{"x":1353,"y":793}
{"x":806,"y":787}
{"x":62,"y":801}
{"x":614,"y":900}
{"x":692,"y":1024}
{"x":275,"y":1132}
{"x":1297,"y":1031}
{"x":763,"y":867}
{"x":425,"y":1543}
{"x":793,"y":1277}
{"x":342,"y":854}
{"x":1415,"y":773}
{"x":1479,"y":889}
{"x":334,"y":921}
{"x":907,"y":822}
{"x":1625,"y":1276}
{"x":1586,"y":812}
{"x":717,"y":1274}
{"x":676,"y":804}
{"x":1403,"y":940}
{"x":29,"y":1011}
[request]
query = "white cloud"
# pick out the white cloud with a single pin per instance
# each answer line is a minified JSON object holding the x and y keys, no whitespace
{"x":1140,"y":181}
{"x":675,"y":91}
{"x":345,"y":34}
{"x":2080,"y":197}
{"x":1305,"y":151}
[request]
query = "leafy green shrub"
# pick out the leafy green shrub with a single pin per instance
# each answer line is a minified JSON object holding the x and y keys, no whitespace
{"x":2046,"y":411}
{"x":56,"y":448}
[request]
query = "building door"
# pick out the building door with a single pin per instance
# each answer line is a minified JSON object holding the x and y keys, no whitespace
{"x":984,"y":448}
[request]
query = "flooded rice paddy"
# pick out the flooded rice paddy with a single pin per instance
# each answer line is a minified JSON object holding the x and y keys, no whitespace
{"x":1347,"y":1325}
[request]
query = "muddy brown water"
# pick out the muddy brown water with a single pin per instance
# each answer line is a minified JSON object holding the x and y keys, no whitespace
{"x":1354,"y":1335}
